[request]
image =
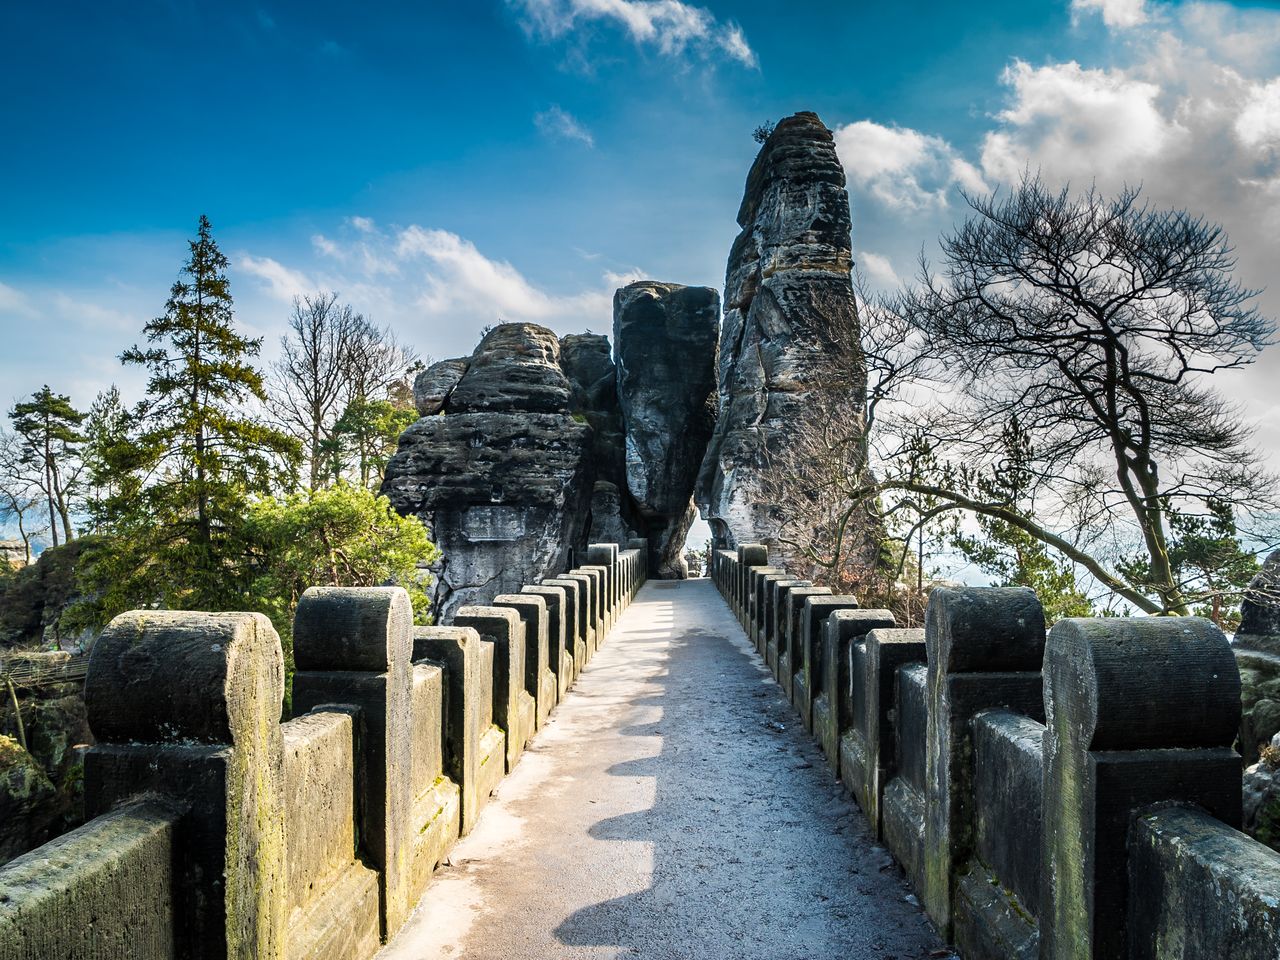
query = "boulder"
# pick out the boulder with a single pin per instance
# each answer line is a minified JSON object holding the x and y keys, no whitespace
{"x":516,"y":368}
{"x":1260,"y":610}
{"x":790,"y":327}
{"x":1262,"y":797}
{"x":431,"y":388}
{"x":27,"y":801}
{"x":666,"y":337}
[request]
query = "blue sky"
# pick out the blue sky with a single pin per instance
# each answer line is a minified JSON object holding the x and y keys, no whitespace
{"x":442,"y":165}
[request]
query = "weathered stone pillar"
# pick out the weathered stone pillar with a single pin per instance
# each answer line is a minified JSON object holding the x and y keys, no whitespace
{"x":1138,"y":711}
{"x":605,"y":555}
{"x":764,"y":609}
{"x":789,"y":655}
{"x":514,"y":709}
{"x":755,"y":604}
{"x":595,"y":606}
{"x":807,"y":670}
{"x":578,"y":586}
{"x":836,"y":723}
{"x":603,"y":600}
{"x":560,"y":621}
{"x":985,"y":646}
{"x":187,"y":706}
{"x":538,"y":678}
{"x":869,"y":760}
{"x":355,"y":645}
{"x":473,"y":745}
{"x":776,"y":614}
{"x":749,"y":555}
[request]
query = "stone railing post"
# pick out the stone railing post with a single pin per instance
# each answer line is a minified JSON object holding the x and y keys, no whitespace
{"x":595,"y":606}
{"x":776,"y":622}
{"x":559,"y":634}
{"x":538,"y":678}
{"x":579,"y":635}
{"x":985,"y":647}
{"x":749,"y":555}
{"x":187,"y":706}
{"x":755,"y":601}
{"x":642,"y":545}
{"x":605,"y":555}
{"x":834,"y":699}
{"x":875,"y":670}
{"x":354,"y":645}
{"x":789,"y":655}
{"x":474,"y":746}
{"x":1138,"y":711}
{"x":808,"y":662}
{"x":514,"y":709}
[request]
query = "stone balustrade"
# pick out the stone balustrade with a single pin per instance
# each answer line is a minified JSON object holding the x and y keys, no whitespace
{"x":1064,"y":796}
{"x":218,"y":831}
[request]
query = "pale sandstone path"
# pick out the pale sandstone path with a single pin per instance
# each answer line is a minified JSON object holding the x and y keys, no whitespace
{"x":674,"y":807}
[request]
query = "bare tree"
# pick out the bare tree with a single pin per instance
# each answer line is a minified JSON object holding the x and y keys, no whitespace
{"x":820,"y":478}
{"x":331,"y":360}
{"x":308,"y":383}
{"x":1094,"y":325}
{"x":20,"y":494}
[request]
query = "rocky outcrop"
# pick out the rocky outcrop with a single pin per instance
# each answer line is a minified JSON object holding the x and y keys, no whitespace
{"x":431,"y":388}
{"x":1257,"y":649}
{"x":666,"y":338}
{"x":1260,"y":609}
{"x":501,"y":472}
{"x":790,"y":325}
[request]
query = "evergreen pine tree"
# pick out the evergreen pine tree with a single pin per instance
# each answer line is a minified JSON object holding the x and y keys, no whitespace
{"x":50,"y":429}
{"x":198,"y":452}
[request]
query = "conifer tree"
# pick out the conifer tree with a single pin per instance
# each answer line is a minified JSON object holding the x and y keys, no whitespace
{"x":198,"y":452}
{"x":50,"y":429}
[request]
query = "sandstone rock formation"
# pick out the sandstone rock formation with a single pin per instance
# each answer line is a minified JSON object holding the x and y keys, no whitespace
{"x":789,"y":313}
{"x":1257,"y":650}
{"x":1260,"y":610}
{"x":500,"y":471}
{"x":666,"y":338}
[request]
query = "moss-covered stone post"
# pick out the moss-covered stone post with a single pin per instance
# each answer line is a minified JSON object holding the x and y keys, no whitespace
{"x":473,"y":745}
{"x":354,"y":645}
{"x":187,"y":706}
{"x":985,"y":646}
{"x":1139,"y":711}
{"x":513,"y":708}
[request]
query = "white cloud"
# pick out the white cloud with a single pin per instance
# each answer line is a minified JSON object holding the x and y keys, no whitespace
{"x":671,"y":26}
{"x":1122,"y":14}
{"x":436,"y":287}
{"x":1081,"y":122}
{"x":14,"y":301}
{"x":556,"y":122}
{"x":903,"y":168}
{"x":879,"y":270}
{"x":282,"y":283}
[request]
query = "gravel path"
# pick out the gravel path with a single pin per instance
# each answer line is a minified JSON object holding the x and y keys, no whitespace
{"x":674,"y":807}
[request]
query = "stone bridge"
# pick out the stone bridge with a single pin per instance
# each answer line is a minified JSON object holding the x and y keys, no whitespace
{"x":598,"y":765}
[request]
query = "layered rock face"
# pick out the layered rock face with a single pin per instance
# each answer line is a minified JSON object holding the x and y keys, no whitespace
{"x":1257,"y":650}
{"x":666,"y":337}
{"x":789,"y":313}
{"x":500,"y":469}
{"x":534,"y":446}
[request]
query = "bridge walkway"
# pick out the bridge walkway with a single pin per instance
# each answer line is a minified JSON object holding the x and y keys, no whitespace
{"x":673,"y":808}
